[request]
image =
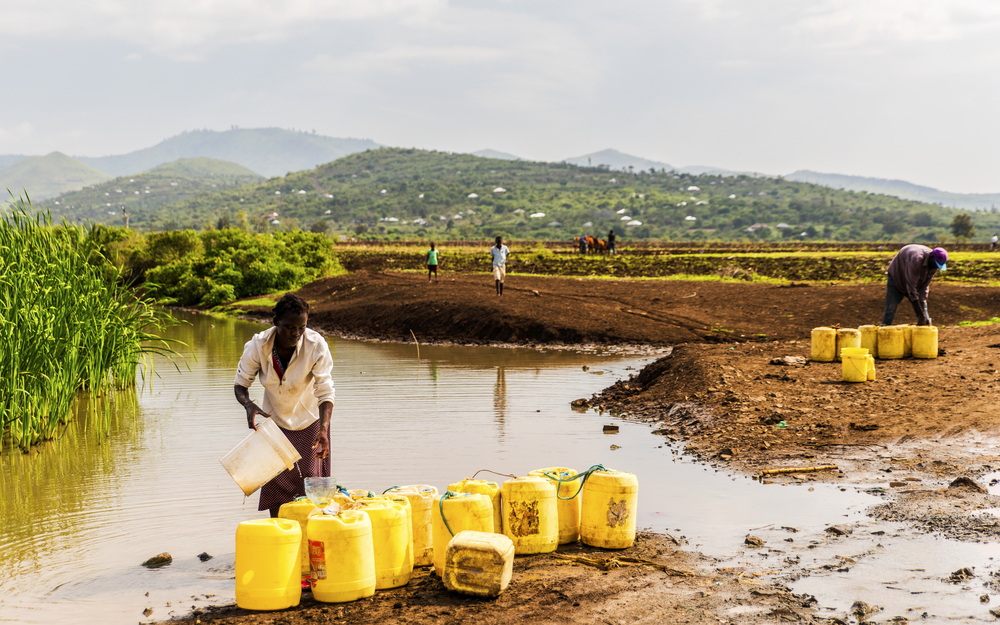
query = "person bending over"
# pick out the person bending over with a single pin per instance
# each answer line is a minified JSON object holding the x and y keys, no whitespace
{"x":909,"y":275}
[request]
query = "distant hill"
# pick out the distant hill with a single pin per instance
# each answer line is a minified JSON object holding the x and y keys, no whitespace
{"x":614,"y":159}
{"x":45,"y":176}
{"x":266,"y":151}
{"x":144,"y":193}
{"x":408,"y":193}
{"x":899,"y":188}
{"x":6,"y":160}
{"x":504,"y":156}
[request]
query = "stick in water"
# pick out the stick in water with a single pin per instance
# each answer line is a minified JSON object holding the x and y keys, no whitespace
{"x":417,"y":342}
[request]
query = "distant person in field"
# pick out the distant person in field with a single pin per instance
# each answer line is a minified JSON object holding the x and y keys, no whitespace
{"x":909,"y":276}
{"x":432,"y":263}
{"x":583,"y":244}
{"x":499,"y":254}
{"x":993,"y":242}
{"x":611,"y":242}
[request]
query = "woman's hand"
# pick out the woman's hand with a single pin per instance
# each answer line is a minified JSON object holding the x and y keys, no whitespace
{"x":322,"y":444}
{"x":252,"y":411}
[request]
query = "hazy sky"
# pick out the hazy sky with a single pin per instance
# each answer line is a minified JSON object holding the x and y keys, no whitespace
{"x":888,"y":88}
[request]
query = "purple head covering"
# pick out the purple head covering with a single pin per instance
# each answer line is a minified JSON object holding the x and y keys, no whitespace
{"x":940,"y":257}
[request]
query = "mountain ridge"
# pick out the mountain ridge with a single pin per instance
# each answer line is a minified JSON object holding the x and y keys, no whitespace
{"x":267,"y":151}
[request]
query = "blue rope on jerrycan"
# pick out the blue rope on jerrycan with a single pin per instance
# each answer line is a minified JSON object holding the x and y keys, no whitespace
{"x":579,"y":476}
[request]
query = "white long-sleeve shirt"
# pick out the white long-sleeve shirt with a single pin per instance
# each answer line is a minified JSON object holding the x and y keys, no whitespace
{"x":293,"y":402}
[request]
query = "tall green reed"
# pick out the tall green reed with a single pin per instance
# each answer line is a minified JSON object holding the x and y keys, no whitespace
{"x":67,"y":325}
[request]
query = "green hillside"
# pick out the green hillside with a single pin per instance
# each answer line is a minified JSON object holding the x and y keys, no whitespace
{"x":144,"y":193}
{"x":406,"y":193}
{"x":45,"y":176}
{"x":266,"y":151}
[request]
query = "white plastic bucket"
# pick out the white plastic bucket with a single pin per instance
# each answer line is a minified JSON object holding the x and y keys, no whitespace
{"x":260,"y":457}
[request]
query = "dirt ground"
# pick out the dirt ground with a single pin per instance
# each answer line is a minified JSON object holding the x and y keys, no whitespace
{"x":464,"y":309}
{"x":719,"y":396}
{"x":547,"y":589}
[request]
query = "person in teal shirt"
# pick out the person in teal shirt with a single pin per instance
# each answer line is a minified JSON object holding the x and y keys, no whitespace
{"x":432,"y":263}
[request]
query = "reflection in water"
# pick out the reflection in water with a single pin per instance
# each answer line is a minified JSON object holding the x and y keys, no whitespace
{"x":500,"y":401}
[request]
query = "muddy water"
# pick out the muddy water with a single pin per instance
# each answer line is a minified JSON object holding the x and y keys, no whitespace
{"x":81,"y":513}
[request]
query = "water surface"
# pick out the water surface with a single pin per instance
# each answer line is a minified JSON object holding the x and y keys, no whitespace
{"x":81,"y":513}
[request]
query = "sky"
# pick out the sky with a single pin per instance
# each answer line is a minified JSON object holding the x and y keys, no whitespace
{"x":885,"y":88}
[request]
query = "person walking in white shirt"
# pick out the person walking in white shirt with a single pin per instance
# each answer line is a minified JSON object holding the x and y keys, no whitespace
{"x":499,"y":254}
{"x":294,"y":366}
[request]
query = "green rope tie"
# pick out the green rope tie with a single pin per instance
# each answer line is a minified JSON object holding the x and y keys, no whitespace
{"x":447,"y":495}
{"x":391,"y":488}
{"x":579,"y":476}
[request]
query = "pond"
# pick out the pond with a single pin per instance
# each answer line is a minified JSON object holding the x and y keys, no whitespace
{"x":81,"y":513}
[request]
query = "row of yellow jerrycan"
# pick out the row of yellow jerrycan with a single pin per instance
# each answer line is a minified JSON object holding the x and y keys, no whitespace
{"x":882,"y":342}
{"x":470,"y":535}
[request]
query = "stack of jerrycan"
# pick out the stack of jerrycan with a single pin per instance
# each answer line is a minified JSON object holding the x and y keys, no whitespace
{"x":421,"y":498}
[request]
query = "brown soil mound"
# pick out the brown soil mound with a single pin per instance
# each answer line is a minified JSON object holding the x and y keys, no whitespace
{"x":731,"y":400}
{"x":464,"y":309}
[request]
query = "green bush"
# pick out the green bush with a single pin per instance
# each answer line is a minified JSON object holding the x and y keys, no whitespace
{"x":216,"y":266}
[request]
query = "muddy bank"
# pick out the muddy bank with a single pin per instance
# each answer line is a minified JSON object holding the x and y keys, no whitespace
{"x":752,"y":405}
{"x":464,"y":309}
{"x":680,"y":586}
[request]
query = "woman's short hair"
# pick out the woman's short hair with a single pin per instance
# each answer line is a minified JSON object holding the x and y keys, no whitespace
{"x":289,"y":304}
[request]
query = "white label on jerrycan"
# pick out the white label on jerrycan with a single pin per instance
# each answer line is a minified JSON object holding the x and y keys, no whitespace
{"x":317,"y":559}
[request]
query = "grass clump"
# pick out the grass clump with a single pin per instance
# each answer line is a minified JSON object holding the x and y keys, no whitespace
{"x":67,"y":324}
{"x":989,"y":322}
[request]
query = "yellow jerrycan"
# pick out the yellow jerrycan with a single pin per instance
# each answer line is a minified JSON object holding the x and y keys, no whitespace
{"x":341,"y":556}
{"x":421,"y":497}
{"x":530,"y":514}
{"x":824,"y":344}
{"x":482,"y":487}
{"x":890,"y":343}
{"x":907,"y":340}
{"x":478,"y":563}
{"x":300,"y":510}
{"x":854,"y":364}
{"x":925,"y":342}
{"x":609,"y":507}
{"x":268,"y":572}
{"x":847,"y":337}
{"x":869,"y":338}
{"x":567,"y":503}
{"x":408,"y":509}
{"x":390,"y":541}
{"x":871,"y":368}
{"x":360,"y":493}
{"x":462,"y":511}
